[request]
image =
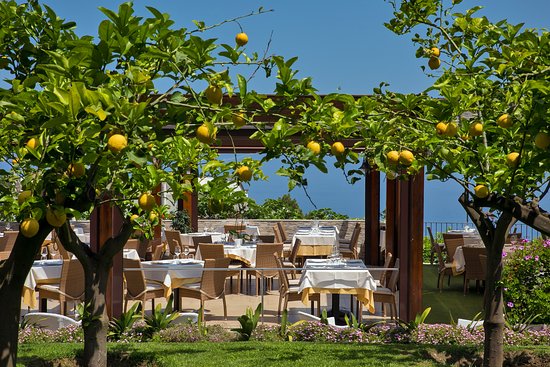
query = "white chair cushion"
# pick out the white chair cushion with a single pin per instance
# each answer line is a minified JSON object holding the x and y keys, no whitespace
{"x":186,"y":317}
{"x":192,"y":286}
{"x":49,"y":321}
{"x":383,"y":290}
{"x":50,"y":287}
{"x":153,"y":286}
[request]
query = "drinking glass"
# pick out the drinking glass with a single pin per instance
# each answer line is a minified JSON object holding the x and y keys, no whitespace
{"x":186,"y":251}
{"x":44,"y":254}
{"x":177,"y":252}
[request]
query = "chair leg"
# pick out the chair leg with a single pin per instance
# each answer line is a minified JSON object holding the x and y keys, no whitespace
{"x":439,"y":282}
{"x":466,"y":285}
{"x":224,"y":308}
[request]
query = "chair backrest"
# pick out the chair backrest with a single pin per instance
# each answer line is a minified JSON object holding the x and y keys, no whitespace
{"x":267,"y":238}
{"x":173,"y":239}
{"x":294,"y":251}
{"x":282,"y":231}
{"x":135,"y":280}
{"x":277,"y":234}
{"x":264,"y":257}
{"x":7,"y":242}
{"x":158,"y":252}
{"x":452,"y":235}
{"x":387,"y":263}
{"x":211,"y":251}
{"x":239,"y":228}
{"x":513,"y":237}
{"x":472,"y":264}
{"x":451,"y":244}
{"x":201,"y":239}
{"x":132,"y":244}
{"x":72,"y":279}
{"x":394,"y":277}
{"x":58,"y":247}
{"x":440,"y":259}
{"x":432,"y":239}
{"x":283,"y":278}
{"x":213,"y":282}
{"x":354,"y":242}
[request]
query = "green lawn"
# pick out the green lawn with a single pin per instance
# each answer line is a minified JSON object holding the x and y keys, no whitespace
{"x":242,"y":354}
{"x":450,"y":301}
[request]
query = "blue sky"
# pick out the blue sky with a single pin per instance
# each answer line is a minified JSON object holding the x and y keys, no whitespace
{"x":343,"y":46}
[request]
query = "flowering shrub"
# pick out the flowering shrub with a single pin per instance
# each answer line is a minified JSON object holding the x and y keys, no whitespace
{"x":526,"y":282}
{"x":188,"y":333}
{"x":33,"y":334}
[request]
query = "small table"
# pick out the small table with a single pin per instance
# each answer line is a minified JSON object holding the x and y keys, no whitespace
{"x":172,"y":274}
{"x":344,"y":277}
{"x":42,"y":272}
{"x":315,"y":242}
{"x":187,"y":238}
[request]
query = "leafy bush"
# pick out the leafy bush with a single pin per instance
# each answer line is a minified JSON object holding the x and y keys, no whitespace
{"x":160,"y":319}
{"x":284,"y":207}
{"x":326,"y":214}
{"x":118,"y":327}
{"x":33,"y":334}
{"x":189,"y":333}
{"x":526,"y":282}
{"x":248,"y":322}
{"x":181,"y":221}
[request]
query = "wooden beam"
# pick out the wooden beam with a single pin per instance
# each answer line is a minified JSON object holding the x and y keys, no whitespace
{"x":392,"y":214}
{"x":372,"y":217}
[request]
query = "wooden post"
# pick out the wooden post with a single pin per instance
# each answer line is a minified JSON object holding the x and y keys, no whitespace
{"x":190,"y":203}
{"x":372,"y":218}
{"x":409,"y":245}
{"x":392,"y":215}
{"x":105,"y":222}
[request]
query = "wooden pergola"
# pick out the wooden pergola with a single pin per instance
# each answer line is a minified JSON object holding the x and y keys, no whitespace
{"x":404,"y":223}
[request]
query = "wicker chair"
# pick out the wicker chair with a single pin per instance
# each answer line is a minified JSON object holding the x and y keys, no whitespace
{"x":434,"y":243}
{"x":387,"y":294}
{"x":215,"y":251}
{"x":201,"y":239}
{"x":137,"y":288}
{"x":173,"y":239}
{"x":473,"y":267}
{"x":289,"y":292}
{"x":352,"y":252}
{"x":70,"y":288}
{"x":445,"y":268}
{"x":238,"y":228}
{"x":264,"y":259}
{"x":451,"y":244}
{"x":267,"y":238}
{"x":158,"y":252}
{"x":212,"y":285}
{"x":282,"y":231}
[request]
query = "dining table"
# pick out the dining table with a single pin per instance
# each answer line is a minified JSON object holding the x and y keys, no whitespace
{"x":316,"y":241}
{"x":187,"y":238}
{"x":246,"y":252}
{"x":337,"y":277}
{"x":172,"y":274}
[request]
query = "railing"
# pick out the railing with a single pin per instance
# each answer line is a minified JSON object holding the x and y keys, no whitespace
{"x":437,"y":227}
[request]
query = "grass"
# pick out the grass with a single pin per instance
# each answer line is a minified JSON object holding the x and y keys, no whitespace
{"x":451,"y":300}
{"x":242,"y":354}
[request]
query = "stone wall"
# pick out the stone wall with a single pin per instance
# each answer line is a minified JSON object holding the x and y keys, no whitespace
{"x":291,"y":225}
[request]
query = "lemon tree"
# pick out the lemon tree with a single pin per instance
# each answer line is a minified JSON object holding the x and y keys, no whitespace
{"x":100,"y":120}
{"x":482,"y":125}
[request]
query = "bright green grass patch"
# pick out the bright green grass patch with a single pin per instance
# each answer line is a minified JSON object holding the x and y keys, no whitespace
{"x":262,"y":354}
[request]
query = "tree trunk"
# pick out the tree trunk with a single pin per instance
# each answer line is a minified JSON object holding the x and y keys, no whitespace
{"x":493,"y":305}
{"x":97,"y":326}
{"x":13,"y":272}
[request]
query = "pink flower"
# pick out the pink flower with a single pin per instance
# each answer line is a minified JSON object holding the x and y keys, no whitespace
{"x":510,"y":304}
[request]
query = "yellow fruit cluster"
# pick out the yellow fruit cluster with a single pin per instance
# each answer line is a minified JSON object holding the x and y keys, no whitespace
{"x":404,"y":157}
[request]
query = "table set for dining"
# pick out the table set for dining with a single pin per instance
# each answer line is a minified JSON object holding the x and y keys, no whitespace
{"x":316,"y":241}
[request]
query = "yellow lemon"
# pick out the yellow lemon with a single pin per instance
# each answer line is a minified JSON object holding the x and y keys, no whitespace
{"x":337,"y":148}
{"x":314,"y":147}
{"x":406,"y":157}
{"x":147,"y":202}
{"x":512,"y":159}
{"x":213,"y":94}
{"x":117,"y":143}
{"x":59,"y":198}
{"x":393,"y":157}
{"x":134,"y":217}
{"x":481,"y":191}
{"x":77,"y":169}
{"x":33,"y":143}
{"x":475,"y":128}
{"x":153,"y":216}
{"x":441,"y":127}
{"x":435,"y":52}
{"x":244,"y":173}
{"x":204,"y":135}
{"x":23,"y":196}
{"x":542,"y":140}
{"x":451,"y":129}
{"x":505,"y":121}
{"x":29,"y":227}
{"x":434,"y":63}
{"x":56,"y":217}
{"x":238,"y":119}
{"x":241,"y":39}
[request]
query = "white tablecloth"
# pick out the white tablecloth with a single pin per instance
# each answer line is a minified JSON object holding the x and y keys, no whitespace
{"x":244,"y":253}
{"x":42,"y":272}
{"x":310,"y":238}
{"x":131,"y":254}
{"x":347,"y":277}
{"x":173,"y":273}
{"x":187,"y":238}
